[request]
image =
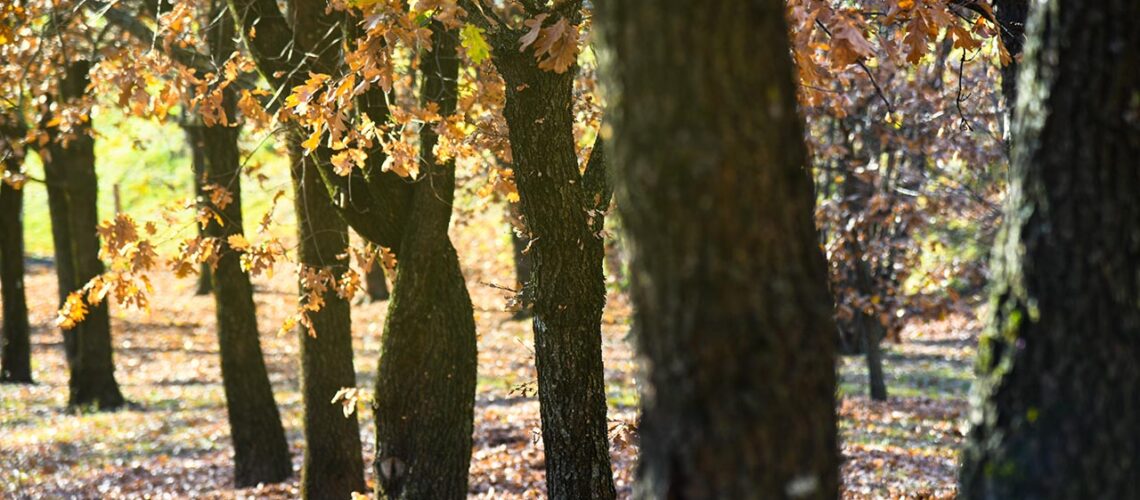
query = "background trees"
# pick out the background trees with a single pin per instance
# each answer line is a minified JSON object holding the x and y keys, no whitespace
{"x":69,"y":171}
{"x":15,"y":357}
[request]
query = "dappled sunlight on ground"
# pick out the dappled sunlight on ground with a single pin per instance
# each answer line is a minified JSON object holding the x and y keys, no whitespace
{"x":174,"y":439}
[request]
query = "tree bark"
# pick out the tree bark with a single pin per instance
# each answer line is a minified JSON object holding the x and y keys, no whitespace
{"x":16,"y":356}
{"x":374,"y":280}
{"x":69,"y":170}
{"x":196,"y":140}
{"x":524,"y":265}
{"x":1011,"y":15}
{"x":567,"y":288}
{"x":425,"y":391}
{"x":261,"y":454}
{"x":730,"y":285}
{"x":866,"y":328}
{"x":1056,"y":396}
{"x":334,"y":464}
{"x":426,"y":384}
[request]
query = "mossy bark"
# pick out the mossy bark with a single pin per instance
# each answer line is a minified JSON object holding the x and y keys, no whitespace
{"x":1055,"y":404}
{"x":730,"y":285}
{"x":425,"y":391}
{"x":69,"y":170}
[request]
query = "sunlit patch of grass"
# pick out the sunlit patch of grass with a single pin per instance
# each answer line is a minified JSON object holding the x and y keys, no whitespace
{"x":909,"y":374}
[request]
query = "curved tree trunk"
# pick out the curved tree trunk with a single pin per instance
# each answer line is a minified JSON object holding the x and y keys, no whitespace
{"x":426,"y":385}
{"x":261,"y":454}
{"x":567,"y":288}
{"x":16,"y":356}
{"x":425,"y":391}
{"x":1058,"y":375}
{"x":730,"y":286}
{"x":334,"y":464}
{"x":69,"y":170}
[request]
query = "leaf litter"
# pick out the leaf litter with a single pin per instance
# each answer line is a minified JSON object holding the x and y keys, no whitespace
{"x":173,"y":441}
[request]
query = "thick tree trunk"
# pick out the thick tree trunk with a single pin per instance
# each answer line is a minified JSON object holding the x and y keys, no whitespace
{"x":1056,"y":395}
{"x":69,"y":170}
{"x":567,"y":288}
{"x":334,"y":464}
{"x":425,"y":392}
{"x":730,"y":286}
{"x":16,"y":356}
{"x":195,"y":138}
{"x":261,"y":454}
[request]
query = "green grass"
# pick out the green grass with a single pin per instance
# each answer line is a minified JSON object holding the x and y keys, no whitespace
{"x":910,"y":374}
{"x":150,"y":162}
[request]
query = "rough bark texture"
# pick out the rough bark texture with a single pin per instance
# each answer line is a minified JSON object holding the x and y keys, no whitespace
{"x":425,"y":391}
{"x":730,"y":286}
{"x":69,"y":170}
{"x":16,"y":356}
{"x":426,"y":385}
{"x":1055,"y":405}
{"x":261,"y":454}
{"x":195,"y":138}
{"x":334,"y":465}
{"x":567,"y":288}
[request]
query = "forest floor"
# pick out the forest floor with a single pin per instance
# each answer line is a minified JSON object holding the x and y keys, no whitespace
{"x":173,"y":441}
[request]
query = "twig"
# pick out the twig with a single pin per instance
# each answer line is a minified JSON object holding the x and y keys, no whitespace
{"x":870,"y":76}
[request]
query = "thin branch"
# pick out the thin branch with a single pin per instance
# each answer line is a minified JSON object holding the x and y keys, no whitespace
{"x":870,"y":76}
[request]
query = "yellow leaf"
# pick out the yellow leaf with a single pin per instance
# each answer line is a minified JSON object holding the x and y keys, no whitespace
{"x":311,"y":143}
{"x":238,"y":242}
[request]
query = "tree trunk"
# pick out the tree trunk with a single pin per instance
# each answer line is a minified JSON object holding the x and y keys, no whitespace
{"x":334,"y":464}
{"x":730,"y":286}
{"x":69,"y":170}
{"x":425,"y":392}
{"x":867,"y":328}
{"x":16,"y":358}
{"x":195,"y":138}
{"x":261,"y":454}
{"x":374,"y":281}
{"x":1011,"y":16}
{"x":567,"y":288}
{"x":523,"y":263}
{"x":1056,"y":395}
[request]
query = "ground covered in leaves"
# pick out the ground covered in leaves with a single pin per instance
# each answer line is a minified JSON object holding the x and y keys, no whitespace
{"x":174,"y":440}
